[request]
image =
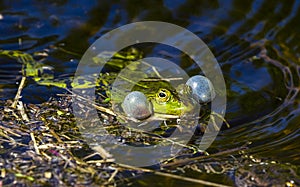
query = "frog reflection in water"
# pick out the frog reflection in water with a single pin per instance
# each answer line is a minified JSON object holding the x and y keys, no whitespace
{"x":147,"y":97}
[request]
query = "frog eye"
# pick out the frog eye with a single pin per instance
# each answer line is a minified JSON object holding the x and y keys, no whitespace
{"x":163,"y":96}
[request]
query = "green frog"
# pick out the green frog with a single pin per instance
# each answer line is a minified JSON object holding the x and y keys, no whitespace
{"x":161,"y":97}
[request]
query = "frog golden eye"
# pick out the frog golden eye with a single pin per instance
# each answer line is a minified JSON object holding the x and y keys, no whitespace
{"x":163,"y":96}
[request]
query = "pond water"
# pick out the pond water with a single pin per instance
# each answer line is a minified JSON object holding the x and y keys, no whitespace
{"x":255,"y":42}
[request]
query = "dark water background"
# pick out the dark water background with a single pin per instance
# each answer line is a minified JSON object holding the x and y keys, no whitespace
{"x":255,"y":42}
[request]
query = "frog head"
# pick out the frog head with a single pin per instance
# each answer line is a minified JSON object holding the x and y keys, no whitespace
{"x":163,"y":98}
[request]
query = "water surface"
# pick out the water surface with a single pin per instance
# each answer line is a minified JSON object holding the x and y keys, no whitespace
{"x":255,"y":42}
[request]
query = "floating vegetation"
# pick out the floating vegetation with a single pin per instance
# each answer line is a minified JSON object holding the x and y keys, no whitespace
{"x":46,"y":148}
